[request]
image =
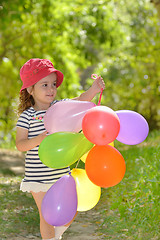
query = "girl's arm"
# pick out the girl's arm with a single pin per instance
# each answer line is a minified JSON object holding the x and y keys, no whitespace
{"x":96,"y":87}
{"x":24,"y":144}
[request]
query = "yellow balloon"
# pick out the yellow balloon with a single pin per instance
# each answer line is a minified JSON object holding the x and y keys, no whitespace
{"x":111,"y":144}
{"x":83,"y":158}
{"x":88,"y":193}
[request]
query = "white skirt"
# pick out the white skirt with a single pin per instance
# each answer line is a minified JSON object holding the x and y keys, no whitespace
{"x":34,"y":187}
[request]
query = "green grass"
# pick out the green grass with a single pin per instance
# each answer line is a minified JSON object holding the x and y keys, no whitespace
{"x":129,"y":210}
{"x":18,"y":213}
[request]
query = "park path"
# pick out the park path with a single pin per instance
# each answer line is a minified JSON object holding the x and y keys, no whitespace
{"x":84,"y":226}
{"x":81,"y":229}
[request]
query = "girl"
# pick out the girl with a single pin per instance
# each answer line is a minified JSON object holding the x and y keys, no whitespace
{"x":40,"y":82}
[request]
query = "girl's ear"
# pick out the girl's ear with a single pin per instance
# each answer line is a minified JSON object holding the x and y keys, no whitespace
{"x":29,"y":90}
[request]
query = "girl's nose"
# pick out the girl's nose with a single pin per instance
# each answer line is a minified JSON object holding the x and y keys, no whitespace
{"x":53,"y":87}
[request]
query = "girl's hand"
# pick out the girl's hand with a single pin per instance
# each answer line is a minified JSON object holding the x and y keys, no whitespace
{"x":42,"y":136}
{"x":96,"y":87}
{"x":98,"y":84}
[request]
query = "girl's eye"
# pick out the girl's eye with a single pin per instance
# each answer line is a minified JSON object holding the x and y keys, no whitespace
{"x":45,"y":85}
{"x":54,"y":84}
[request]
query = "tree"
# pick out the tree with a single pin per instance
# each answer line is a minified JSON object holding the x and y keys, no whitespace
{"x":118,"y":39}
{"x":157,"y":6}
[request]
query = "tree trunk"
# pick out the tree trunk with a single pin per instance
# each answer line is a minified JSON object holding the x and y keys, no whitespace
{"x":157,"y":5}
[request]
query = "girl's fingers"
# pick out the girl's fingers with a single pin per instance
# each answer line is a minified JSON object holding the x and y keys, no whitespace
{"x":101,"y":82}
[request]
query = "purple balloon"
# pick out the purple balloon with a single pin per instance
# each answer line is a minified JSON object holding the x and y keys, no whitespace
{"x":133,"y":127}
{"x":59,"y":205}
{"x":66,"y":116}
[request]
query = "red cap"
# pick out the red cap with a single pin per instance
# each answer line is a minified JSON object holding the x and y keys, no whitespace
{"x":35,"y":69}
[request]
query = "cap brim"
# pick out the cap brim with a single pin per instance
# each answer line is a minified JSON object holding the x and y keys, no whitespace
{"x":45,"y":74}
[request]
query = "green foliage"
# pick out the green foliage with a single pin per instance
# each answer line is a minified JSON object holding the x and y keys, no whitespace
{"x":117,"y":39}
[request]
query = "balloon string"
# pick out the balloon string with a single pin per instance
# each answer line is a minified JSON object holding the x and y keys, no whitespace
{"x":77,"y":163}
{"x":94,"y":77}
{"x":100,"y":97}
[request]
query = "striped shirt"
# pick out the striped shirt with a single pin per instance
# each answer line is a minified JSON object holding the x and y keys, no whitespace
{"x":35,"y":170}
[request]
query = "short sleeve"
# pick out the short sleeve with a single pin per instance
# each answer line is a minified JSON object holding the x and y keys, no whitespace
{"x":56,"y":101}
{"x":23,"y":120}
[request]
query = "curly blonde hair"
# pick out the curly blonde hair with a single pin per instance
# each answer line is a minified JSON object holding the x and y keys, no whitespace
{"x":25,"y":101}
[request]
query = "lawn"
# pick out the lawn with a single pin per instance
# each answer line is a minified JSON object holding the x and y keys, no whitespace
{"x":129,"y":210}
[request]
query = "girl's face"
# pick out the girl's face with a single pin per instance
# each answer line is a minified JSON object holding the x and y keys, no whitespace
{"x":44,"y":92}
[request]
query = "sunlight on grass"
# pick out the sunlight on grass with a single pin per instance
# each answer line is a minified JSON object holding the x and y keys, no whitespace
{"x":18,"y":213}
{"x":132,"y":206}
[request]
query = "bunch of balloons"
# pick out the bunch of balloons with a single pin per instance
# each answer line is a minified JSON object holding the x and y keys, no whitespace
{"x":104,"y":165}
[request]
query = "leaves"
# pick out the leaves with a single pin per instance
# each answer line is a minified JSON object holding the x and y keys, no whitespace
{"x":116,"y":39}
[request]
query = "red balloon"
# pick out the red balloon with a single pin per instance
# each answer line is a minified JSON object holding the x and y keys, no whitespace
{"x":105,"y":166}
{"x":101,"y":125}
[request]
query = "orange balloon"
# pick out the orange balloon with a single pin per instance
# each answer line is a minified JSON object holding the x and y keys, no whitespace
{"x":83,"y":158}
{"x":105,"y":166}
{"x":101,"y":125}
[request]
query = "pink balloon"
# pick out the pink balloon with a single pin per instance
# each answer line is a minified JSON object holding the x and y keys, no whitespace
{"x":66,"y":116}
{"x":59,"y":205}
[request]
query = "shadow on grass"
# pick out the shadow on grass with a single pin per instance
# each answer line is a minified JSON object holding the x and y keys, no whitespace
{"x":18,"y":213}
{"x":6,"y":172}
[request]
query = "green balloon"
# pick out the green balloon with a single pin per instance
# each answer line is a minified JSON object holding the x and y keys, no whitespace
{"x":62,"y":149}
